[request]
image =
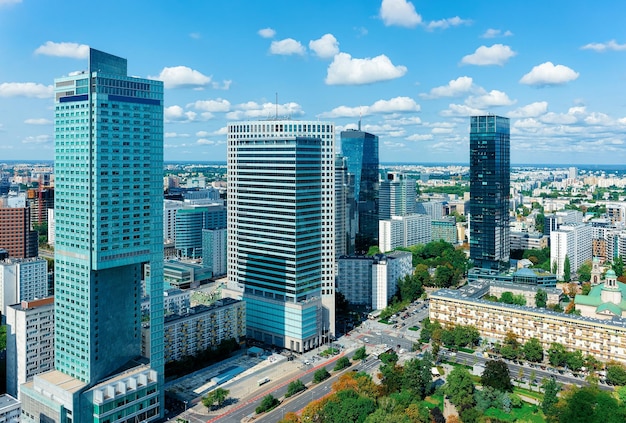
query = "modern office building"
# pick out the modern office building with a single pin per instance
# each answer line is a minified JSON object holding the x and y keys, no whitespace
{"x":108,"y":212}
{"x":16,"y":235}
{"x":432,"y":208}
{"x":30,"y":341}
{"x":347,"y":218}
{"x":215,"y":250}
{"x":281,"y":222}
{"x":190,"y":221}
{"x":490,"y":175}
{"x":170,"y":207}
{"x":22,"y":280}
{"x":404,"y":231}
{"x":361,"y":150}
{"x":396,"y":196}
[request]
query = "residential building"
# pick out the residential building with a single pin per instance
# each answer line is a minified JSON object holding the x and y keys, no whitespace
{"x":108,"y":212}
{"x":372,"y":280}
{"x":490,"y":173}
{"x":22,"y":280}
{"x":573,"y":242}
{"x":30,"y":341}
{"x":361,"y":150}
{"x":603,"y":339}
{"x":404,"y":231}
{"x":200,"y":328}
{"x":432,"y":208}
{"x":39,"y":201}
{"x":16,"y":235}
{"x":528,"y":240}
{"x":51,"y":227}
{"x":175,"y":301}
{"x":10,"y":409}
{"x":281,"y":221}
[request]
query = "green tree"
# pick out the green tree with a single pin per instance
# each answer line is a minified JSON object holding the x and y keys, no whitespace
{"x":616,"y":374}
{"x":510,"y":348}
{"x":215,"y":398}
{"x":584,"y":272}
{"x":541,"y":298}
{"x":550,"y":396}
{"x":268,"y":403}
{"x":417,"y":376}
{"x":359,"y":354}
{"x":294,"y":387}
{"x":388,"y":357}
{"x":496,"y":375}
{"x":618,"y":266}
{"x":575,"y":360}
{"x":567,"y":271}
{"x":460,"y":388}
{"x":533,"y":350}
{"x":342,"y":363}
{"x":557,"y":354}
{"x":320,"y":375}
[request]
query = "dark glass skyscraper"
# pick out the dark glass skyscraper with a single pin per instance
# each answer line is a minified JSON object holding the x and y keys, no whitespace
{"x":490,"y":176}
{"x":361,"y":150}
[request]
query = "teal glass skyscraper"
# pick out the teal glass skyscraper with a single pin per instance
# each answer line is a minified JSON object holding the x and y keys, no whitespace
{"x":490,"y":176}
{"x":108,"y":212}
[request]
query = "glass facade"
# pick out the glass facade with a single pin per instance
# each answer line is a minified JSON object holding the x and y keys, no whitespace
{"x":490,"y":170}
{"x":281,"y":228}
{"x":108,"y":212}
{"x":361,"y":150}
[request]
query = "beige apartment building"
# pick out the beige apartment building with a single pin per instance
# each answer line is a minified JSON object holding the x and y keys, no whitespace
{"x":603,"y":339}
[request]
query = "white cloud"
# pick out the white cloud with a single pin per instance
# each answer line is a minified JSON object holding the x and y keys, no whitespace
{"x":461,"y":110}
{"x":493,"y":33}
{"x":178,"y":114}
{"x":439,"y":131}
{"x":497,"y":54}
{"x":267,"y":33}
{"x":325,"y":47}
{"x":446,"y":23}
{"x":6,"y":2}
{"x":175,"y":135}
{"x":344,"y":70}
{"x":217,"y":105}
{"x":602,"y":47}
{"x":25,"y":89}
{"x":527,"y":124}
{"x":252,"y":109}
{"x":549,"y":74}
{"x":202,"y":134}
{"x":73,"y":50}
{"x":491,"y":99}
{"x":531,"y":110}
{"x":181,"y":77}
{"x":597,"y":118}
{"x":400,"y":13}
{"x":204,"y":141}
{"x":394,"y":120}
{"x":39,"y":139}
{"x":40,"y":121}
{"x":225,"y":85}
{"x":394,"y":105}
{"x":455,"y":87}
{"x":420,"y":137}
{"x":287,"y":47}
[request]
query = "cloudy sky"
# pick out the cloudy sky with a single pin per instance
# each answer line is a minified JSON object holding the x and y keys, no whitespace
{"x":413,"y":70}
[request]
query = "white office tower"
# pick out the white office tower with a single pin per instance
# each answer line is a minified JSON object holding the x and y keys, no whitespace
{"x":30,"y":341}
{"x":281,"y":223}
{"x":573,"y":242}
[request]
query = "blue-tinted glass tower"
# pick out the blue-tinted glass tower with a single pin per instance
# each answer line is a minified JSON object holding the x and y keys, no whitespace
{"x":108,"y":213}
{"x":361,"y":150}
{"x":490,"y":175}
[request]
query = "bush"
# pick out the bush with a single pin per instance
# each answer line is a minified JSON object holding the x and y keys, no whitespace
{"x":268,"y":403}
{"x":342,"y":363}
{"x":320,"y":375}
{"x":359,"y":354}
{"x":294,"y":387}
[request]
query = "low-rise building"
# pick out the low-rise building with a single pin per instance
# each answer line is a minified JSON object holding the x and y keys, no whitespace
{"x":202,"y":327}
{"x":603,"y":339}
{"x":10,"y":409}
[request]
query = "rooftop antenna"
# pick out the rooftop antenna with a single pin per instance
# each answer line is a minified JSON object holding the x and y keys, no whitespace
{"x":277,"y":106}
{"x":360,"y":119}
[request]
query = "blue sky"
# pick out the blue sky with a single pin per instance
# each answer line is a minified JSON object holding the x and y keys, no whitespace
{"x":415,"y":71}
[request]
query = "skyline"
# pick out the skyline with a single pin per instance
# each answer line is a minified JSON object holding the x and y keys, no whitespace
{"x":423,"y":69}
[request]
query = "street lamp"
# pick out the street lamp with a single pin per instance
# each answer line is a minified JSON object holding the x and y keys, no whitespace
{"x":185,"y":404}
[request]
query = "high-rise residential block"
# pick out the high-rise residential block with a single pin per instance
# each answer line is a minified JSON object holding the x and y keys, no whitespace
{"x":573,"y":242}
{"x":108,"y":213}
{"x":490,"y":175}
{"x":281,"y":223}
{"x":397,"y":195}
{"x":361,"y":150}
{"x":16,"y":235}
{"x":214,"y":250}
{"x":30,"y":341}
{"x":22,"y":280}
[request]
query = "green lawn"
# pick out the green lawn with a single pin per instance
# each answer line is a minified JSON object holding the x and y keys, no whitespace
{"x":528,"y":413}
{"x":533,"y":394}
{"x":433,"y":401}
